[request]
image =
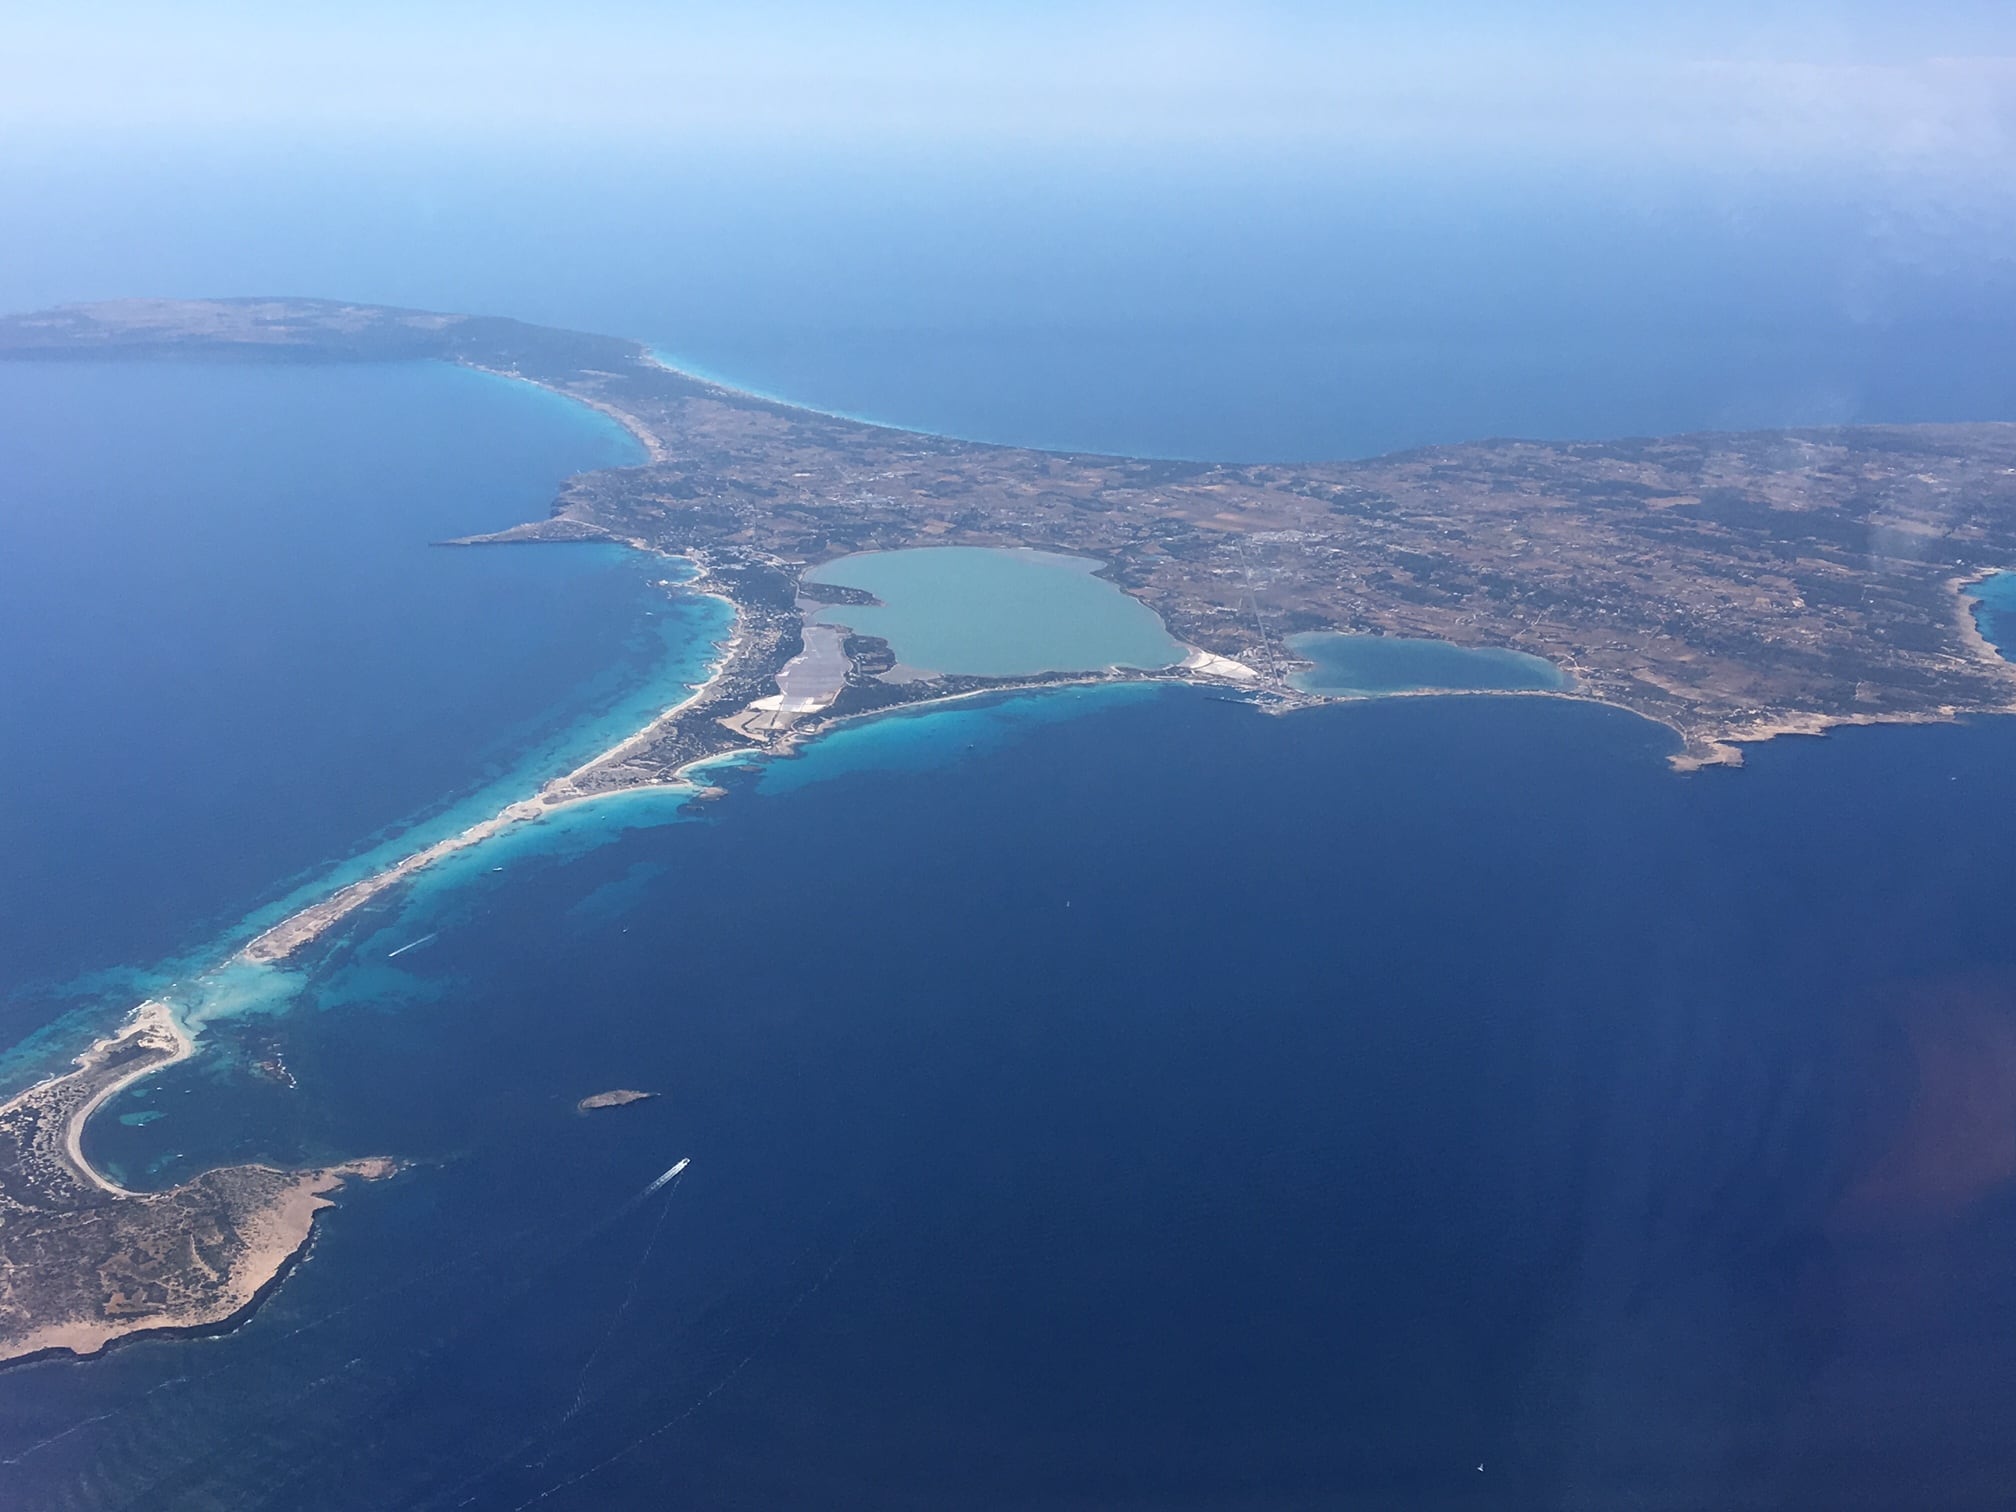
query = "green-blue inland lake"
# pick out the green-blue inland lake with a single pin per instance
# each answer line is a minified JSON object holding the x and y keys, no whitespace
{"x":985,"y":612}
{"x":1367,"y":665}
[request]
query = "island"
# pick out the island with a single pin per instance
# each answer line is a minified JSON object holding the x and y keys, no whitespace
{"x":84,"y":1261}
{"x":1733,"y":587}
{"x":620,"y":1097}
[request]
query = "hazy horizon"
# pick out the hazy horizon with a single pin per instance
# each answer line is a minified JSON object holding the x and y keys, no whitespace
{"x":1786,"y":86}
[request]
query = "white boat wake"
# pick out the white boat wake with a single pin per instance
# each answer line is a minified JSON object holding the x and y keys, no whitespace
{"x":672,"y":1171}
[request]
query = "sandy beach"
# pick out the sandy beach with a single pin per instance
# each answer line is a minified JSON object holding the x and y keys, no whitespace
{"x":298,"y":929}
{"x":646,"y":437}
{"x":157,"y":1022}
{"x":303,"y":927}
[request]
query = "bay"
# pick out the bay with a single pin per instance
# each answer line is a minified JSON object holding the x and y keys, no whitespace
{"x":233,"y":659}
{"x":1994,"y":600}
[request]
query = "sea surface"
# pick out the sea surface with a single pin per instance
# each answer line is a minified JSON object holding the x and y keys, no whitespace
{"x":1107,"y":1098}
{"x":233,"y":661}
{"x":1215,"y":307}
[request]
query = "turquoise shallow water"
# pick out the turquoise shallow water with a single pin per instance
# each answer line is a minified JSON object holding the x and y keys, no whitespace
{"x":237,"y":674}
{"x":1995,"y":610}
{"x":1372,"y":664}
{"x":989,"y":613}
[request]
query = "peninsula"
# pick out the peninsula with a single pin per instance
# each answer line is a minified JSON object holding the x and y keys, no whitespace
{"x":84,"y":1261}
{"x":1730,"y":586}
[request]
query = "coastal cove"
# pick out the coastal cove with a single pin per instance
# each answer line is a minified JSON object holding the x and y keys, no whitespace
{"x":1992,"y":601}
{"x":799,"y":653}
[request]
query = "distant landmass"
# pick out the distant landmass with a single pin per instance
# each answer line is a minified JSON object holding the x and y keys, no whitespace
{"x":1731,"y":587}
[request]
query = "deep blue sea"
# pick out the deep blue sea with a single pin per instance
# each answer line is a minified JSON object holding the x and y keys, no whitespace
{"x":1100,"y":1099}
{"x":1241,"y":1112}
{"x":234,"y":660}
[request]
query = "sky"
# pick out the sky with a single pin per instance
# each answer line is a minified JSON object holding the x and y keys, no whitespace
{"x":1924,"y":88}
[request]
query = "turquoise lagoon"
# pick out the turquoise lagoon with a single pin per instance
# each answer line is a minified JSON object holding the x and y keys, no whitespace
{"x":1368,"y":665}
{"x":987,"y":612}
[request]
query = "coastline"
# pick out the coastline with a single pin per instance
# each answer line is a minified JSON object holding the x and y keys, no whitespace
{"x":1200,"y":667}
{"x":280,"y":1243}
{"x":303,"y":927}
{"x":757,"y":567}
{"x":153,"y":1016}
{"x":1719,"y":744}
{"x":654,"y":448}
{"x":1726,"y":749}
{"x":85,"y":1261}
{"x":151,"y":1026}
{"x":1700,"y":750}
{"x":1970,"y":612}
{"x":738,"y":391}
{"x":770,"y":486}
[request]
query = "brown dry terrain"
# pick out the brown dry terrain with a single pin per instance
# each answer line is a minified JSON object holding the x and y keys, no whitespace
{"x":84,"y":1262}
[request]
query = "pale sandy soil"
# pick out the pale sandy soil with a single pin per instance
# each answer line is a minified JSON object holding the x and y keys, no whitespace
{"x":158,"y":1020}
